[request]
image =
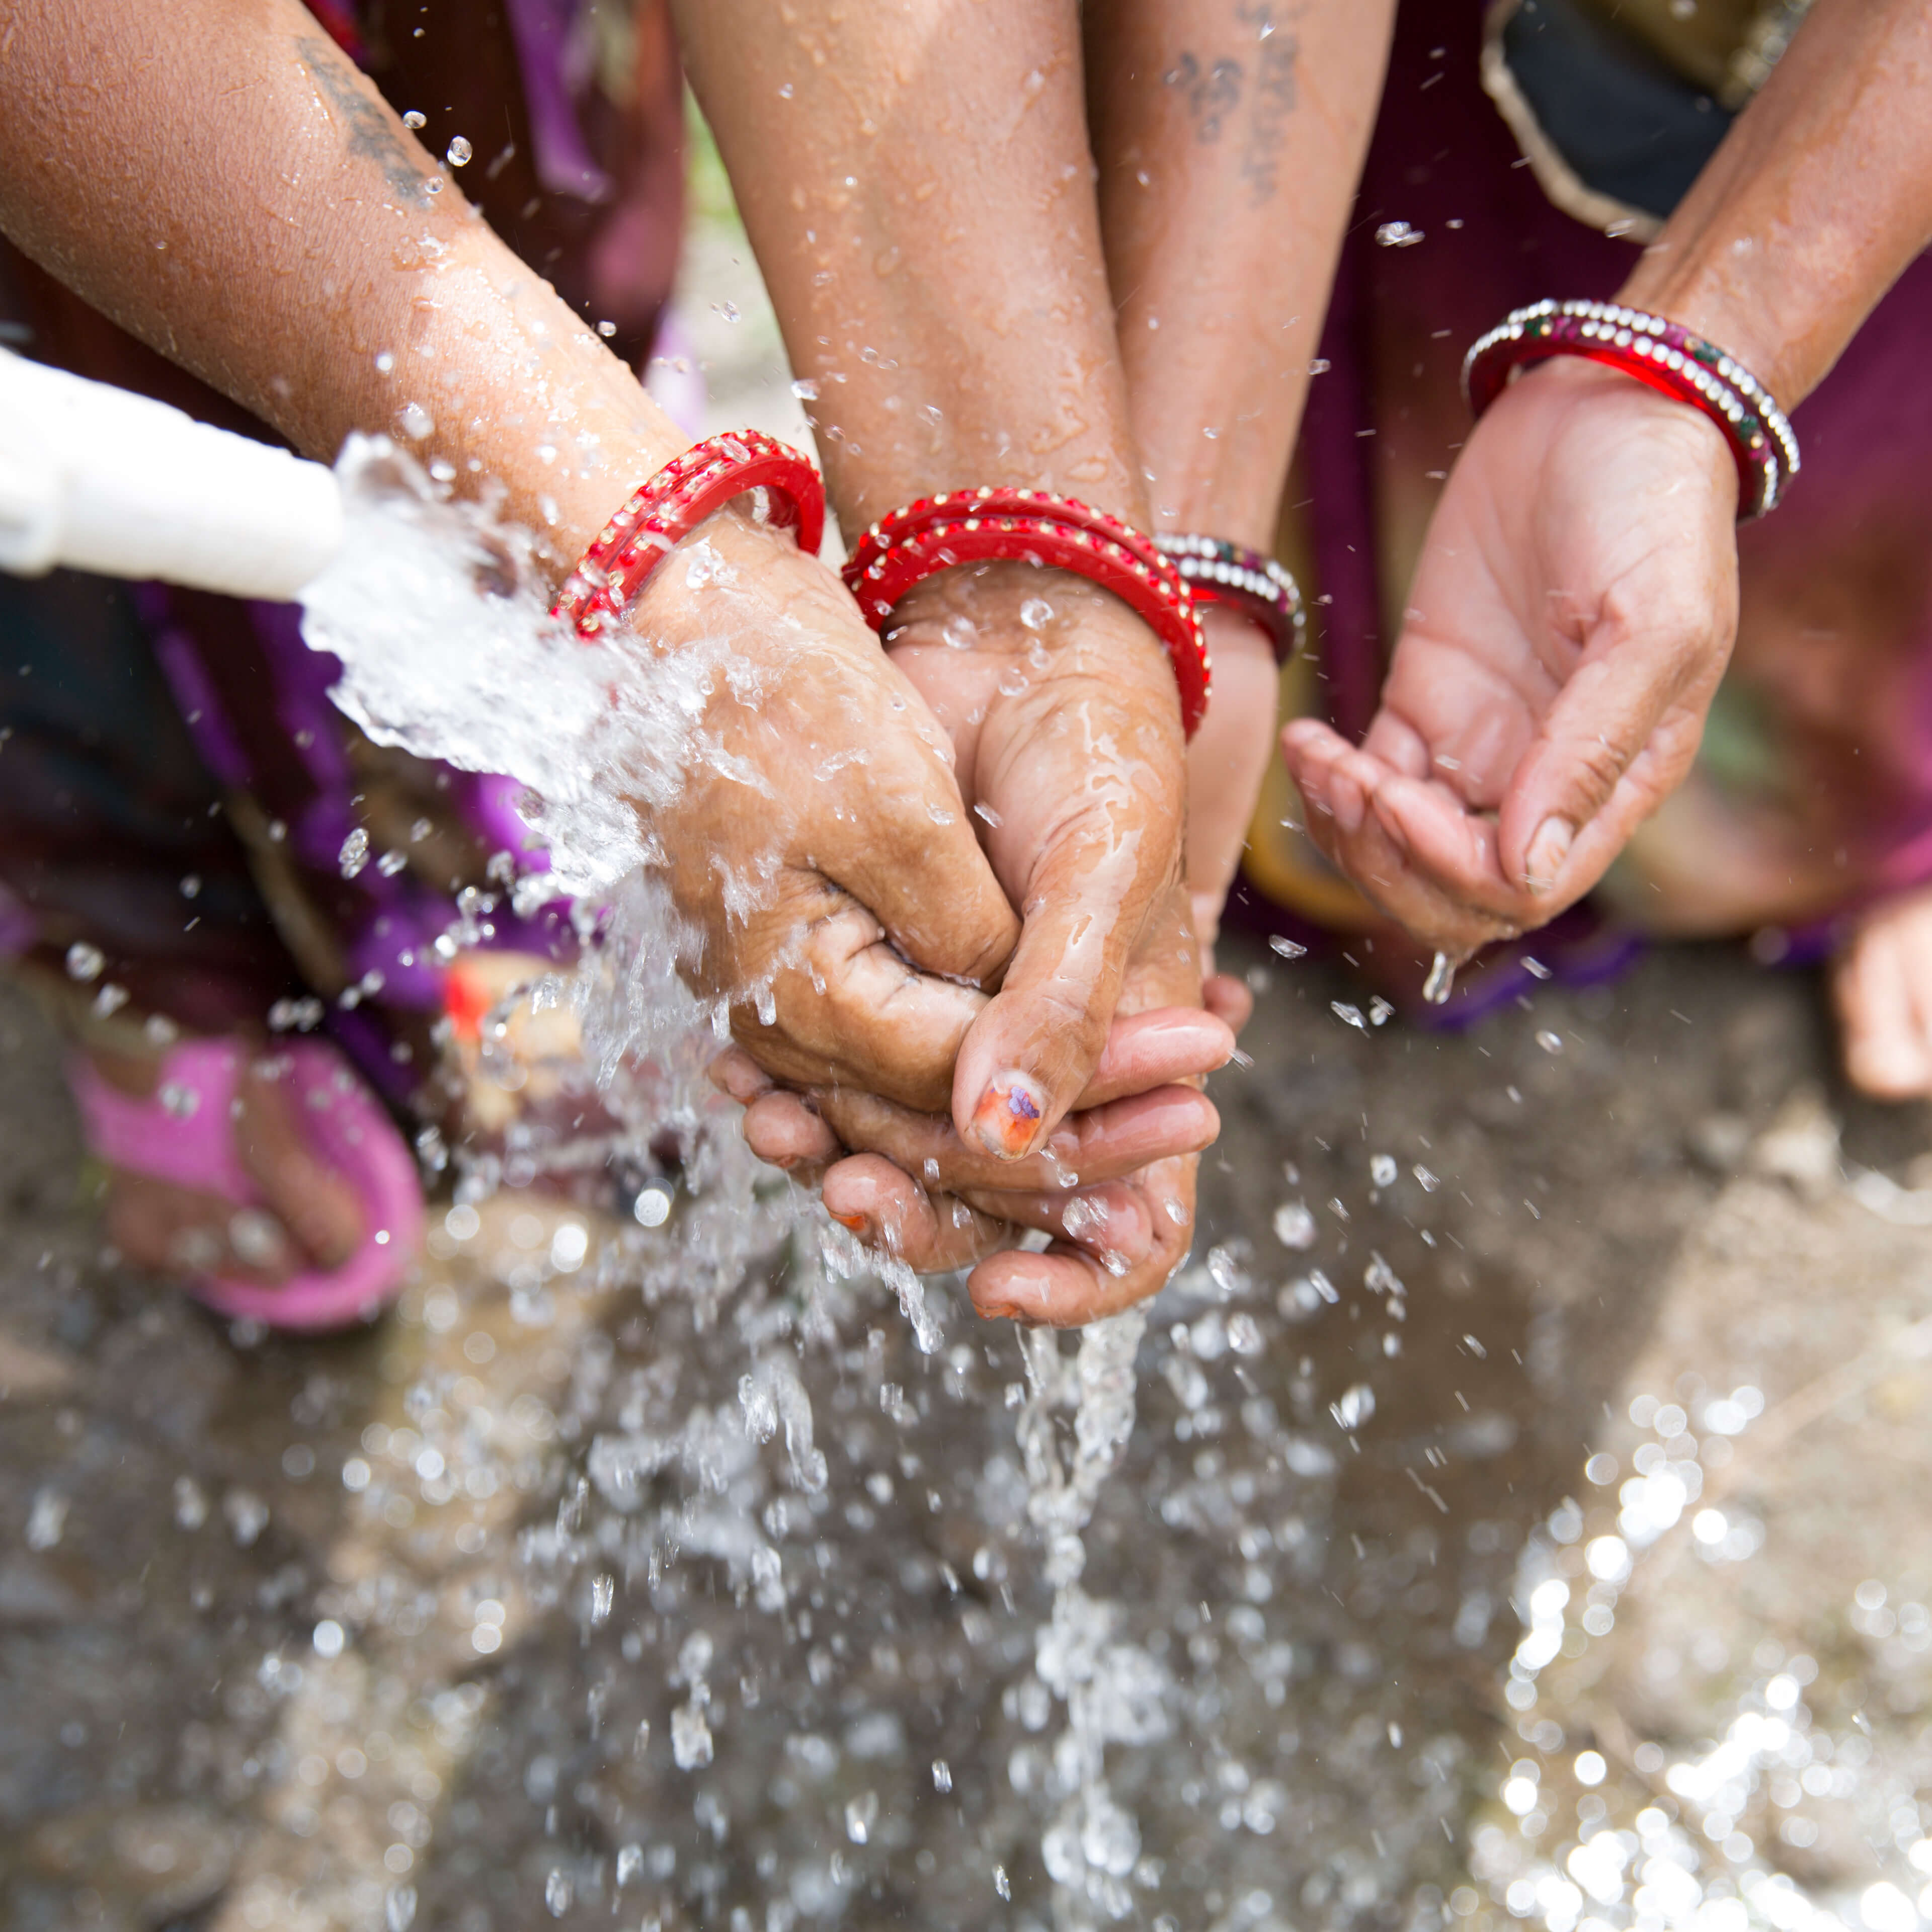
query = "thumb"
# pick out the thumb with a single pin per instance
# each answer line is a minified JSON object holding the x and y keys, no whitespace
{"x":905,"y":849}
{"x":1028,"y":1055}
{"x":1622,"y":715}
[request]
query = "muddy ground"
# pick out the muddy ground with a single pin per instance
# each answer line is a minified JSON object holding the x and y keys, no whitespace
{"x":338,"y":1634}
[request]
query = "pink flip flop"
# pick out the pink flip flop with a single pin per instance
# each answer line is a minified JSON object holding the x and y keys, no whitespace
{"x":184,"y":1134}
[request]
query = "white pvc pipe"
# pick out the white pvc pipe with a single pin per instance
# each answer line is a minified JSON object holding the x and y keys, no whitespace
{"x":97,"y":479}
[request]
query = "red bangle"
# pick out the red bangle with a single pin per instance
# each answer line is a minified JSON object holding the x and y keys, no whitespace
{"x":1665,"y":355}
{"x":660,"y":513}
{"x":1035,"y":526}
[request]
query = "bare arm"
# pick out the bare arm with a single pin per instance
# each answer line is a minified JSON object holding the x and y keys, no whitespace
{"x":1820,"y":195}
{"x":1230,"y":135}
{"x":222,"y":181}
{"x":1576,"y":600}
{"x":219,"y":179}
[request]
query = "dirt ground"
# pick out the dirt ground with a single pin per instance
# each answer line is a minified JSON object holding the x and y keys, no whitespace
{"x":372,"y":1631}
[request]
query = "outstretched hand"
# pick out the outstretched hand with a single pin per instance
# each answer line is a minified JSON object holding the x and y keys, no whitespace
{"x":1572,"y":612}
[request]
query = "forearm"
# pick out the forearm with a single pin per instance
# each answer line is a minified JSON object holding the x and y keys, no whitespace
{"x":273,"y":226}
{"x":916,"y":180}
{"x":1229,"y":135}
{"x":1819,"y":197}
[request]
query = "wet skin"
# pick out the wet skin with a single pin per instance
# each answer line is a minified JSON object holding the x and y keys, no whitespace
{"x":284,"y":189}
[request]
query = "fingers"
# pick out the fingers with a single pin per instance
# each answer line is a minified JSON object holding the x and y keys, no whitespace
{"x":1631,"y":710}
{"x":1228,"y":1000}
{"x":172,"y":1230}
{"x":852,"y":1012}
{"x":1104,"y":1143}
{"x":1025,"y":1059}
{"x":889,"y":1211}
{"x":318,"y":1207}
{"x":1153,"y":1049}
{"x":903,"y":844}
{"x":1410,"y":846}
{"x":1068,"y":1286}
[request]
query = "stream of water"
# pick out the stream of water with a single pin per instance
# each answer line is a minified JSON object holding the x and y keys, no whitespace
{"x":889,"y":1616}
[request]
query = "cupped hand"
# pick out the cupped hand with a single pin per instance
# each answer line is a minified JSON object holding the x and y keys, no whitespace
{"x":1113,"y":1182}
{"x":1574,"y":609}
{"x":799,"y":798}
{"x":1065,"y":719}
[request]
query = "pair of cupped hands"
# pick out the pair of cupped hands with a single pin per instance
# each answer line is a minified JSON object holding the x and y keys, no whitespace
{"x":942,"y":882}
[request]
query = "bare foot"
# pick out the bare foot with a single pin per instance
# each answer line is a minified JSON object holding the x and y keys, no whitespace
{"x":309,"y":1218}
{"x":1882,"y":987}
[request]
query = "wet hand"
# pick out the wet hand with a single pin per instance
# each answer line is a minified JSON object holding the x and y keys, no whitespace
{"x":1066,"y":721}
{"x":1114,"y":1183}
{"x":799,"y":799}
{"x":1572,"y":612}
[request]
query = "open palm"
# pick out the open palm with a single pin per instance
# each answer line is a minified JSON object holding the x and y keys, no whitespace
{"x":1572,"y":612}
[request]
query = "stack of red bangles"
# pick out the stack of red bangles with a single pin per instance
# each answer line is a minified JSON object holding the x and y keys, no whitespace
{"x":898,"y":551}
{"x":1662,"y":353}
{"x":665,"y":510}
{"x":1035,"y":526}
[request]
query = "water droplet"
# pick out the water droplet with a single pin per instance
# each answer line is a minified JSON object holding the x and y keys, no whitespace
{"x":805,"y":389}
{"x":1355,"y":1408}
{"x":414,"y":119}
{"x":1397,"y":235}
{"x":1348,"y":1015}
{"x":458,"y":152}
{"x":1001,"y":1884}
{"x":355,"y":853}
{"x":728,"y":310}
{"x":85,"y":961}
{"x":861,"y":1814}
{"x":942,"y":1774}
{"x":1382,"y":1170}
{"x":46,"y":1520}
{"x":1036,"y":614}
{"x":1430,"y":1182}
{"x":1441,"y":980}
{"x":1295,"y":1225}
{"x":1550,"y":1043}
{"x":1288,"y":949}
{"x":558,"y":1892}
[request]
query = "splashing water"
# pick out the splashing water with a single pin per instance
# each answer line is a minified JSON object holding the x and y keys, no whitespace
{"x":1441,"y":980}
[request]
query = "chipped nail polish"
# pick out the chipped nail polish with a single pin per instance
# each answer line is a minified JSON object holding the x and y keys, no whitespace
{"x":1008,"y":1117}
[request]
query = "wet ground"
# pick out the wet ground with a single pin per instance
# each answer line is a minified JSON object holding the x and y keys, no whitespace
{"x":1537,"y":1530}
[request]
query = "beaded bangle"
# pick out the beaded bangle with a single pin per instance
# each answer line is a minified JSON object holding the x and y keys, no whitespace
{"x":1035,"y":526}
{"x":1218,"y":571}
{"x":1668,"y":357}
{"x":662,"y":512}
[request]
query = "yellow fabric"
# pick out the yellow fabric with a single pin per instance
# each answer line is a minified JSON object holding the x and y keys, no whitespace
{"x":1722,"y":45}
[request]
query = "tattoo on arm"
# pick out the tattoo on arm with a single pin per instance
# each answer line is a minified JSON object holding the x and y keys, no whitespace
{"x":371,"y":135}
{"x":1214,"y":91}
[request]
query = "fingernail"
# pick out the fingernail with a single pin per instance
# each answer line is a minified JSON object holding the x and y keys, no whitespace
{"x":1008,"y":1117}
{"x":856,"y":1223}
{"x":1547,"y":851}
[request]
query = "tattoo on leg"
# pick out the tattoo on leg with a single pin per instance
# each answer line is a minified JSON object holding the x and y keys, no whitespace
{"x":371,"y":137}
